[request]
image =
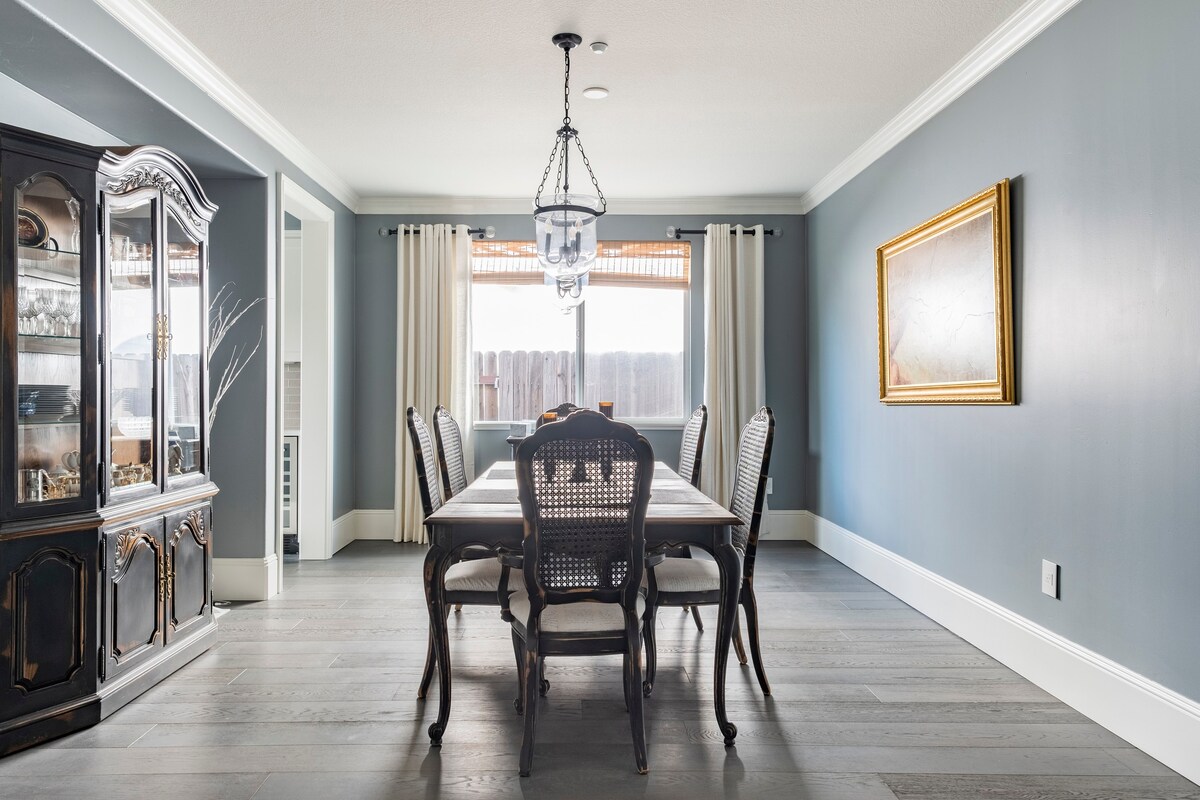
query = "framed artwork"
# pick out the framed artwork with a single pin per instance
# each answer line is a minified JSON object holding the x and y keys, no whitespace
{"x":945,"y":307}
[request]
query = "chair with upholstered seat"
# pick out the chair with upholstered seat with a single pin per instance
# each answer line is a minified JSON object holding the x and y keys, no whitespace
{"x":693,"y":581}
{"x":691,"y":448}
{"x":691,"y":452}
{"x":450,"y":452}
{"x":584,"y":484}
{"x":560,"y":411}
{"x":474,"y":581}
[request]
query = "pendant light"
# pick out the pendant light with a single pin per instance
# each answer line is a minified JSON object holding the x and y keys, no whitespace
{"x":565,"y":221}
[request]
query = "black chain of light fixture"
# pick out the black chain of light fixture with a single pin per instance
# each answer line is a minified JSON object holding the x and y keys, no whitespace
{"x":561,"y":150}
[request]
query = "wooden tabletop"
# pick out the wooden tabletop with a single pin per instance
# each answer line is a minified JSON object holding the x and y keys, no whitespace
{"x":492,"y":499}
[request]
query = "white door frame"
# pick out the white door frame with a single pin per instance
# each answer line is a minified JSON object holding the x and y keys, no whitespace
{"x":315,"y":490}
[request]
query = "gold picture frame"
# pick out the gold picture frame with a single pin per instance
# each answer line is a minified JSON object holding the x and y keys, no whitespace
{"x":945,"y":307}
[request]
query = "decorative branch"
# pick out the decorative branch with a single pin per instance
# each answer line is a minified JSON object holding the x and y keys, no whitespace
{"x":222,"y":320}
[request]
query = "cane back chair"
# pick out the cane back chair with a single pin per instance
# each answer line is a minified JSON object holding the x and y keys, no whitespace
{"x":693,"y":581}
{"x":584,"y":484}
{"x":476,"y":581}
{"x":561,"y":411}
{"x":691,"y":449}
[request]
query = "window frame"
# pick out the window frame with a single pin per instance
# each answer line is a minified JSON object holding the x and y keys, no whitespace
{"x":641,"y":423}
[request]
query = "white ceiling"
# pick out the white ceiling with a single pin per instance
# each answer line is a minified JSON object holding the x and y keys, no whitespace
{"x":462,"y":98}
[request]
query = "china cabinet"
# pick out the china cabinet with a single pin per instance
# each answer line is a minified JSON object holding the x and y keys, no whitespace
{"x":105,"y":497}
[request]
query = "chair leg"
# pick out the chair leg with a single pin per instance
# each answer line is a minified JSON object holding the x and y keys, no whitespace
{"x":458,"y":608}
{"x":530,"y":669}
{"x":751,"y":606}
{"x":430,"y":665}
{"x":737,"y":637}
{"x":519,"y":652}
{"x":637,"y":722}
{"x":696,"y":616}
{"x":648,"y":628}
{"x":626,"y":673}
{"x":543,"y":684}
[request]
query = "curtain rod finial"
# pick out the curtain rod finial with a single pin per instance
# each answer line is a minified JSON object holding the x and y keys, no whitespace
{"x":383,"y":231}
{"x":671,"y":234}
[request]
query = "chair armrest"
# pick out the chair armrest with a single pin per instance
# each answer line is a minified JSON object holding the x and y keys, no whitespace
{"x":511,"y":559}
{"x":654,"y":559}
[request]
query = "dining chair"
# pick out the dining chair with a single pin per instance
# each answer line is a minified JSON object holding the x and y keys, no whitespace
{"x":584,"y":484}
{"x":450,"y":452}
{"x":472,"y":582}
{"x":694,"y":581}
{"x":691,"y":451}
{"x":561,"y":410}
{"x":453,"y":470}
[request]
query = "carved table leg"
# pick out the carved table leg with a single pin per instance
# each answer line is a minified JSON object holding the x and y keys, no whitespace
{"x":730,"y":562}
{"x":436,"y":562}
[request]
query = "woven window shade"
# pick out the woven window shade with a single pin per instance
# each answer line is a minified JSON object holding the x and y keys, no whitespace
{"x":662,"y":265}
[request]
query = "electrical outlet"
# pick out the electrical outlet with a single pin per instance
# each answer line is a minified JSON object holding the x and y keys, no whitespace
{"x":1050,"y":578}
{"x":770,"y":485}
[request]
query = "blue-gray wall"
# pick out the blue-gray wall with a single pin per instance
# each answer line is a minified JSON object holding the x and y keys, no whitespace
{"x":375,"y":372}
{"x":1097,"y":122}
{"x":106,"y":76}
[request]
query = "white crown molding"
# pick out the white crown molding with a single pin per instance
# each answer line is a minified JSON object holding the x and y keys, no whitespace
{"x":1018,"y":30}
{"x":1148,"y":715}
{"x":166,"y":40}
{"x":162,"y":37}
{"x":665,"y":206}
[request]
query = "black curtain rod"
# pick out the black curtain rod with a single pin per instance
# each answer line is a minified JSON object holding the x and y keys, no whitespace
{"x":483,"y":233}
{"x":677,"y":233}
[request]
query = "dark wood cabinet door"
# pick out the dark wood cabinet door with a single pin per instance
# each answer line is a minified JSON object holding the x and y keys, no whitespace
{"x":135,"y":561}
{"x":47,"y":613}
{"x":189,"y":571}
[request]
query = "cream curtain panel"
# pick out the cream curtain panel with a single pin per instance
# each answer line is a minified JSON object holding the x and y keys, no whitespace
{"x":433,"y":351}
{"x":734,"y":368}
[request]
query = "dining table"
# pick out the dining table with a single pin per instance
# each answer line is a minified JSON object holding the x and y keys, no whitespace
{"x":487,"y":514}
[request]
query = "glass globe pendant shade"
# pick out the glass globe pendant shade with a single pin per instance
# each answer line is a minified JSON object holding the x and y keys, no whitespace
{"x":565,"y":233}
{"x":567,"y":291}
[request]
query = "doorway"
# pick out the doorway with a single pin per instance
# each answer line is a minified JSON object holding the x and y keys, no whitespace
{"x":304,"y":391}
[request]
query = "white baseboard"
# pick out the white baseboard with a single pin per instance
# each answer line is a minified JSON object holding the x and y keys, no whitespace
{"x":245,"y":578}
{"x":374,"y":523}
{"x":343,"y":531}
{"x":785,"y":525}
{"x":1163,"y":723}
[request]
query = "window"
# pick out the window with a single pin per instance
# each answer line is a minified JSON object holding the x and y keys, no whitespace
{"x":626,"y":343}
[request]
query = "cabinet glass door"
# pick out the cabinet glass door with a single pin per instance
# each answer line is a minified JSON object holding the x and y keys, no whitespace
{"x":135,"y":337}
{"x":49,"y":361}
{"x":184,"y":368}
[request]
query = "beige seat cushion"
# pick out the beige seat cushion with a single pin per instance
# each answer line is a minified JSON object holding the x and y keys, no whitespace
{"x":688,"y":575}
{"x":475,"y":575}
{"x":575,"y":617}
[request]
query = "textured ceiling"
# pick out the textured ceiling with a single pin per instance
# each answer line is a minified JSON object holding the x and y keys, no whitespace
{"x":709,"y":98}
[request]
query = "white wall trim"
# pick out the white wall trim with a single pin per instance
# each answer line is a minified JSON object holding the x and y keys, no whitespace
{"x":343,"y":531}
{"x":790,"y":204}
{"x":1148,"y":715}
{"x":363,"y":523}
{"x":786,"y":525}
{"x":169,"y":43}
{"x":1025,"y":23}
{"x":245,"y":578}
{"x":374,"y":523}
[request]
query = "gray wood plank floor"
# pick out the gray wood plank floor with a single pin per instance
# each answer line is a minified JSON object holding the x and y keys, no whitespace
{"x":312,"y":694}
